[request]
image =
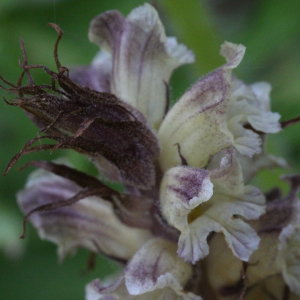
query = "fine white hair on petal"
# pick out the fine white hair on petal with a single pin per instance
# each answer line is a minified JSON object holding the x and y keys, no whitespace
{"x":179,"y":51}
{"x":233,"y":54}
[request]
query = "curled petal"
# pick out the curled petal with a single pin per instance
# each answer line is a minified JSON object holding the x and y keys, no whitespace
{"x":156,"y":259}
{"x":247,"y":201}
{"x":249,"y":114}
{"x":246,"y":141}
{"x":267,"y":122}
{"x":240,"y":237}
{"x":197,"y":122}
{"x":90,"y":223}
{"x":143,"y":58}
{"x":155,"y":272}
{"x":182,"y":190}
{"x":230,"y":202}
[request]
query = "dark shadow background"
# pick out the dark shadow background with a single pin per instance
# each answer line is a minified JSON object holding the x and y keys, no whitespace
{"x":269,"y":29}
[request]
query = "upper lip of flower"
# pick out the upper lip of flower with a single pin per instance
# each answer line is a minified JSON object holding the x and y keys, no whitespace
{"x":143,"y":58}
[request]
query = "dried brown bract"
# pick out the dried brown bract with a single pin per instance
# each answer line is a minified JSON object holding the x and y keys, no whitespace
{"x":90,"y":185}
{"x":111,"y":132}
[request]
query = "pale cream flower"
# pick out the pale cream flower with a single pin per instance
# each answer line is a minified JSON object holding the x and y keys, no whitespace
{"x":183,"y":193}
{"x":154,"y":273}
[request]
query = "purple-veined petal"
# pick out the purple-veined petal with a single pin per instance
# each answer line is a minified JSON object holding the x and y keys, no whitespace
{"x":183,"y":189}
{"x":240,"y":237}
{"x":196,"y":219}
{"x":244,"y":200}
{"x":155,"y":259}
{"x":197,"y":122}
{"x":89,"y":223}
{"x":154,"y":273}
{"x":143,"y":58}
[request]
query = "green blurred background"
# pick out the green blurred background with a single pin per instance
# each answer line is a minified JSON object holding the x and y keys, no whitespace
{"x":269,"y":29}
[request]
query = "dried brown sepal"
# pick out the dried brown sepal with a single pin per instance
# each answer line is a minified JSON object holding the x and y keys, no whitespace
{"x":82,"y":179}
{"x":92,"y":187}
{"x":96,"y":124}
{"x":87,"y":192}
{"x":290,"y":122}
{"x":28,"y":149}
{"x":90,"y":263}
{"x":183,"y":160}
{"x":244,"y":279}
{"x":280,"y":209}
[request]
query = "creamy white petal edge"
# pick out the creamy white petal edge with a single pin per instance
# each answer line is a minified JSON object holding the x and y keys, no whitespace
{"x":154,"y":273}
{"x":250,"y":105}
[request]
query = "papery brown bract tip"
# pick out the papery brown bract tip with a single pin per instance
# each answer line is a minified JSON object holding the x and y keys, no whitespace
{"x":26,"y":150}
{"x":82,"y":179}
{"x":96,"y":124}
{"x":290,"y":122}
{"x":62,"y":203}
{"x":60,"y":34}
{"x":56,"y":27}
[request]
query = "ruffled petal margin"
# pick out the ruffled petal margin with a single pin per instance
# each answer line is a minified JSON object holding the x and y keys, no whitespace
{"x":189,"y":205}
{"x":154,"y":273}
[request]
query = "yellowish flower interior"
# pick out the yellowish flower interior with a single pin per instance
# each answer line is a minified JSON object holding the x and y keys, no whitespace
{"x":198,"y":211}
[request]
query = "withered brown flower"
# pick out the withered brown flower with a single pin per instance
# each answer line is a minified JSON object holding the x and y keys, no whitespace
{"x":98,"y":124}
